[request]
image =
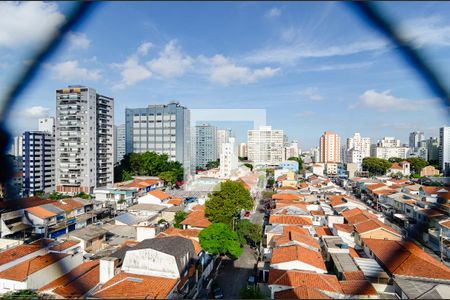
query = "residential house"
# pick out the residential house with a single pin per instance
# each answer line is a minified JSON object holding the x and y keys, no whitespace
{"x":403,"y":167}
{"x":196,"y":219}
{"x":91,"y":237}
{"x":21,"y":253}
{"x":155,"y":197}
{"x":119,"y":197}
{"x":298,"y":258}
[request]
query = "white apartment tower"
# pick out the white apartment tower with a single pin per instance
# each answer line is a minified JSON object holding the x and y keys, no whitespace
{"x":223,"y":135}
{"x":357,"y":149}
{"x":330,"y":148}
{"x":119,"y":143}
{"x":389,"y":147}
{"x":444,"y":150}
{"x":228,"y":158}
{"x":415,"y":138}
{"x":290,"y":150}
{"x":265,"y":146}
{"x":243,"y":150}
{"x":205,"y":144}
{"x":84,"y":140}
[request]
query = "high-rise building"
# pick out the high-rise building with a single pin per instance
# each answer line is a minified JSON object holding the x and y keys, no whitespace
{"x":205,"y":144}
{"x":357,"y":149}
{"x":47,"y":125}
{"x":16,"y":147}
{"x":162,"y":128}
{"x":228,"y":158}
{"x":223,"y":135}
{"x":389,"y":147}
{"x":265,"y":146}
{"x":119,"y":143}
{"x":444,"y":150}
{"x":389,"y":142}
{"x":315,"y":154}
{"x":415,"y":138}
{"x":84,"y":140}
{"x":38,"y":162}
{"x":290,"y":150}
{"x":243,"y":150}
{"x":433,"y":149}
{"x":330,"y":147}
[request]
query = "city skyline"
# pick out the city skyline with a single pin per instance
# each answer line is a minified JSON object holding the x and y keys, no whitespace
{"x":288,"y":58}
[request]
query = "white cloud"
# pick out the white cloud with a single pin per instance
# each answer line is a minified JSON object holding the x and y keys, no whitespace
{"x":34,"y":112}
{"x":78,"y":41}
{"x":335,"y":67}
{"x":70,"y":71}
{"x":384,"y":102}
{"x":131,"y":72}
{"x":273,"y":13}
{"x":292,"y":53}
{"x":171,"y":62}
{"x":312,"y":93}
{"x":432,"y":30}
{"x":143,"y":48}
{"x":24,"y":23}
{"x":225,"y":72}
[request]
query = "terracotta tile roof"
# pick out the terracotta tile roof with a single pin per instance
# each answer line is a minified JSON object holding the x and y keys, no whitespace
{"x":40,"y":212}
{"x":292,"y":253}
{"x":296,"y":278}
{"x":298,"y":237}
{"x":336,"y":200}
{"x":286,"y":203}
{"x":433,"y":189}
{"x":68,"y":278}
{"x":358,"y":287}
{"x":285,"y":188}
{"x":175,"y":201}
{"x":294,"y":228}
{"x":286,"y":196}
{"x":323,"y":230}
{"x":445,"y":196}
{"x":356,"y":219}
{"x":372,"y":224}
{"x":68,"y":204}
{"x":21,"y":271}
{"x":140,"y":183}
{"x":64,"y":245}
{"x":398,"y":181}
{"x":317,"y":213}
{"x":134,"y":286}
{"x":303,"y":185}
{"x":352,"y":252}
{"x":376,"y":186}
{"x":17,"y":252}
{"x":352,"y":212}
{"x":188,"y":233}
{"x":160,"y":194}
{"x":301,"y":292}
{"x":385,"y":192}
{"x":344,"y":227}
{"x":445,"y":223}
{"x":396,"y":166}
{"x":297,"y":220}
{"x":198,"y":207}
{"x":406,"y":258}
{"x":354,"y":275}
{"x":196,"y":219}
{"x":197,"y":246}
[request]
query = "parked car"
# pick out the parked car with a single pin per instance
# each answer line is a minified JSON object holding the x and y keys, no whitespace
{"x":190,"y":200}
{"x":217,"y":292}
{"x":251,"y":281}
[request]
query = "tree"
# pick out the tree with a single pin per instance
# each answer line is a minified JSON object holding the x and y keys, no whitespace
{"x":397,"y":175}
{"x":248,"y":292}
{"x":83,"y":196}
{"x":179,"y":217}
{"x":270,"y":182}
{"x":127,"y":175}
{"x":169,"y":177}
{"x":223,"y":205}
{"x":299,"y":160}
{"x":247,"y":231}
{"x":218,"y":238}
{"x":213,"y":164}
{"x":395,"y":159}
{"x":417,"y":164}
{"x":250,"y":166}
{"x":21,"y":294}
{"x":375,"y":166}
{"x":243,"y":158}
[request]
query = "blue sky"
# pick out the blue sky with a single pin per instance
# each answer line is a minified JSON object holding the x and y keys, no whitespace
{"x":313,"y":65}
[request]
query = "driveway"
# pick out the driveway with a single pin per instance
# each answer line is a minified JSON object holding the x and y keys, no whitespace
{"x":233,"y":275}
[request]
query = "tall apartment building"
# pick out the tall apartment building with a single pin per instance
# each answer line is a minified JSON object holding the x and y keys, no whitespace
{"x":47,"y":125}
{"x":84,"y":140}
{"x":38,"y":162}
{"x":389,"y":147}
{"x":119,"y":143}
{"x":16,"y":147}
{"x":433,"y":149}
{"x":228,"y":158}
{"x":444,"y":150}
{"x":290,"y":150}
{"x":243,"y":150}
{"x":205,"y":144}
{"x":357,"y":149}
{"x":415,"y":138}
{"x":265,"y":146}
{"x":223,"y":135}
{"x":330,"y":148}
{"x":162,"y":128}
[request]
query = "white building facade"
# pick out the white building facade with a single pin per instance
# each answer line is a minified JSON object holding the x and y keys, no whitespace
{"x":265,"y":146}
{"x":119,"y":143}
{"x":228,"y":158}
{"x":444,"y":150}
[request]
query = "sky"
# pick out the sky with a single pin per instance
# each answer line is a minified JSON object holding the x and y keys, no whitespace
{"x":313,"y":66}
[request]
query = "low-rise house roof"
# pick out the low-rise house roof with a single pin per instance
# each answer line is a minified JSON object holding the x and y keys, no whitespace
{"x":358,"y":288}
{"x":298,"y":253}
{"x":301,"y":292}
{"x":286,"y":196}
{"x":147,"y":207}
{"x":376,"y":186}
{"x":64,"y":245}
{"x":371,"y":225}
{"x":175,"y":201}
{"x":40,"y":212}
{"x":187,"y":233}
{"x":292,"y":220}
{"x":344,"y":227}
{"x":296,"y":238}
{"x":12,"y":254}
{"x":21,"y":271}
{"x":160,"y":194}
{"x":296,"y":278}
{"x":196,"y":219}
{"x":404,"y":258}
{"x":323,"y":230}
{"x":134,"y":286}
{"x":88,"y":233}
{"x":68,"y":204}
{"x":77,"y":282}
{"x":354,"y":275}
{"x":294,"y":228}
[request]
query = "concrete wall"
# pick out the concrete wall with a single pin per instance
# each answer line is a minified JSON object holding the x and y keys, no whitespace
{"x":150,"y":262}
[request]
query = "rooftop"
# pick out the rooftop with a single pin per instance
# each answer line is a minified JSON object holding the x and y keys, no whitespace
{"x":88,"y":233}
{"x":295,"y":278}
{"x":64,"y":245}
{"x":292,"y":253}
{"x":292,"y":220}
{"x":301,"y":292}
{"x":40,"y":212}
{"x":196,"y":219}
